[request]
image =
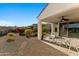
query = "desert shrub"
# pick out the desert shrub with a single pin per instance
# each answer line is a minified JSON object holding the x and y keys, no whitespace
{"x":21,"y":32}
{"x":28,"y":32}
{"x":10,"y":37}
{"x":12,"y":30}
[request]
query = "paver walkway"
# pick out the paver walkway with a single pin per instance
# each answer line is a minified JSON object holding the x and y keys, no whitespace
{"x":23,"y":46}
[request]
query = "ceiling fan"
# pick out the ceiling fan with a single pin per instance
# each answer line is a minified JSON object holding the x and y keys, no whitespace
{"x":64,"y":19}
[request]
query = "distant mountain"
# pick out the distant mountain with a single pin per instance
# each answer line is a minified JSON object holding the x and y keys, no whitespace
{"x":6,"y":23}
{"x":4,"y":28}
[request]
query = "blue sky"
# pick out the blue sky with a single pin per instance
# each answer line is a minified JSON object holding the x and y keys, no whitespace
{"x":19,"y":14}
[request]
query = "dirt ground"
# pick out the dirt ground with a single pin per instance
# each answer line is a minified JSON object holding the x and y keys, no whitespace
{"x":23,"y":46}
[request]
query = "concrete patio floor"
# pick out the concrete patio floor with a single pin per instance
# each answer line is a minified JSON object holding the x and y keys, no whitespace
{"x":23,"y":46}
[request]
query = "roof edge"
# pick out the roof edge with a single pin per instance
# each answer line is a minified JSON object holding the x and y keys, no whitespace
{"x":42,"y":10}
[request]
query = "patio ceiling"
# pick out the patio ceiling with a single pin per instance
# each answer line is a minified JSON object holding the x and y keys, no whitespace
{"x":71,"y":13}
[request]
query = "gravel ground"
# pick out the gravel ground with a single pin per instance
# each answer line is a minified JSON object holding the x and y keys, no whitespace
{"x":10,"y":48}
{"x":23,"y":46}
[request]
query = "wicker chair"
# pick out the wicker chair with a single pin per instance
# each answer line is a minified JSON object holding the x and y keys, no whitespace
{"x":50,"y":37}
{"x":75,"y":44}
{"x":62,"y":41}
{"x":58,"y":40}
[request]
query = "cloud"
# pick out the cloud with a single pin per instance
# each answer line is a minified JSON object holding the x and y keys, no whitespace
{"x":6,"y":23}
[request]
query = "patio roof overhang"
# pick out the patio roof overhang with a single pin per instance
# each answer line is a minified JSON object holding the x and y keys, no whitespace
{"x":71,"y":13}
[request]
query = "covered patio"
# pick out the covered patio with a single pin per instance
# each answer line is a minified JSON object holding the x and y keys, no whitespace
{"x":60,"y":16}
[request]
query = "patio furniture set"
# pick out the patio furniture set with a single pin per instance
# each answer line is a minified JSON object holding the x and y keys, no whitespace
{"x":63,"y":41}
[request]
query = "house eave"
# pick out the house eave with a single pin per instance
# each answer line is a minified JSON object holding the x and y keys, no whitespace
{"x":42,"y":10}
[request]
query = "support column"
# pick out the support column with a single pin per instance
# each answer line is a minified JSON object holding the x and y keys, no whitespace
{"x":52,"y":28}
{"x":67,"y":30}
{"x":58,"y":27}
{"x":39,"y":29}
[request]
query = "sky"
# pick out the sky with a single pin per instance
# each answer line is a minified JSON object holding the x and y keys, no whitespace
{"x":19,"y":14}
